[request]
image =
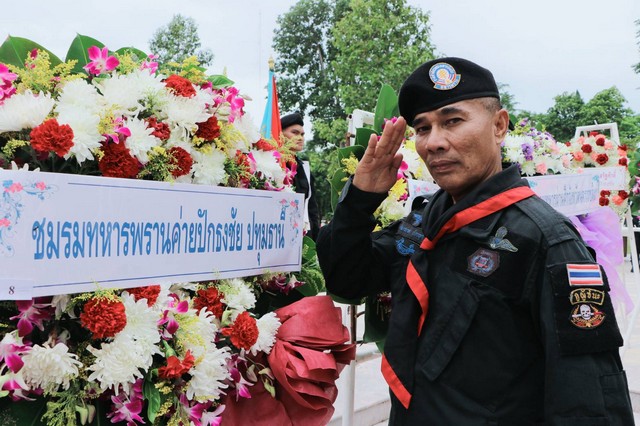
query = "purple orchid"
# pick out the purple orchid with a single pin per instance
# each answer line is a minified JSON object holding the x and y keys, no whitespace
{"x":127,"y":408}
{"x":32,"y":314}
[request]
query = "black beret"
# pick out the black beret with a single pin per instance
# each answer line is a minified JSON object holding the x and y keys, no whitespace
{"x":290,"y":120}
{"x":441,"y":82}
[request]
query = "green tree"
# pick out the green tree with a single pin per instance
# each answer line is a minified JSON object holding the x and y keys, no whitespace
{"x":306,"y":80}
{"x":378,"y":42}
{"x":563,"y":117}
{"x":507,"y":99}
{"x":179,"y":40}
{"x":607,"y":106}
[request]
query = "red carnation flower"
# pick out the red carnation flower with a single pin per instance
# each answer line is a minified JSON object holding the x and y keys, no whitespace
{"x":623,"y":147}
{"x":623,"y":194}
{"x":264,"y":145}
{"x":176,"y":368}
{"x":182,"y":161}
{"x":211,"y":299}
{"x":244,"y":331}
{"x":593,"y":133}
{"x":103,"y":317}
{"x":586,"y":148}
{"x":605,"y":193}
{"x":604,"y":201}
{"x":209,"y":130}
{"x":50,"y":136}
{"x":118,"y":162}
{"x":161,"y":129}
{"x":623,"y":161}
{"x":150,"y":293}
{"x":600,"y":140}
{"x":180,"y":86}
{"x":602,"y":159}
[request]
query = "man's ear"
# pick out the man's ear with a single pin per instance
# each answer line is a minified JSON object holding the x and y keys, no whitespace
{"x":501,"y":124}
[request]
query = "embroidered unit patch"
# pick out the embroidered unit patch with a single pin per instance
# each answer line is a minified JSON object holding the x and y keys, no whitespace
{"x":444,"y":76}
{"x":483,"y":262}
{"x":586,"y":314}
{"x":588,"y":274}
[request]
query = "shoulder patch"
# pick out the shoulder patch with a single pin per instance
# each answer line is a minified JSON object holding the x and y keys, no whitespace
{"x":584,"y":316}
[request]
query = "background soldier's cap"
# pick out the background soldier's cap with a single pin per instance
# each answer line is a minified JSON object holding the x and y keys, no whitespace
{"x":444,"y":81}
{"x":290,"y":120}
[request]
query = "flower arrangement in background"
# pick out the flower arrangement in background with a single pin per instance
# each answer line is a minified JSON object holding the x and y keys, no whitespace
{"x":179,"y":354}
{"x":536,"y":152}
{"x":595,"y":150}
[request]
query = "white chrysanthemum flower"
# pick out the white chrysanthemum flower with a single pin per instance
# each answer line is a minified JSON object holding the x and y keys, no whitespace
{"x":392,"y":210}
{"x":269,"y":166}
{"x":78,"y":93}
{"x":24,"y":168}
{"x":197,"y":332}
{"x":117,"y":363}
{"x":141,"y":140}
{"x":86,"y":137}
{"x":122,"y":93}
{"x":267,"y":329}
{"x":208,"y":375}
{"x":208,"y":169}
{"x":237,"y":294}
{"x":528,"y":168}
{"x":142,"y":323}
{"x":185,"y":113}
{"x":24,"y":111}
{"x":48,"y":368}
{"x":244,"y":124}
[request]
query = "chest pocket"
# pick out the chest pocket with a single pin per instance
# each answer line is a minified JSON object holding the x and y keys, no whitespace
{"x":409,"y":234}
{"x":477,"y":341}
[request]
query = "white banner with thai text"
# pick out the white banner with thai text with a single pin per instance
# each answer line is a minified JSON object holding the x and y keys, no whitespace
{"x":62,"y":234}
{"x":571,"y":194}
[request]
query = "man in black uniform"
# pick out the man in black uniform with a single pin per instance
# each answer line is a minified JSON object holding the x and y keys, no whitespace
{"x":293,"y":130}
{"x":500,"y":314}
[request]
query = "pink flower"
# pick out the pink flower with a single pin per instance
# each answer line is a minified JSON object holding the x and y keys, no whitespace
{"x":578,"y":155}
{"x":617,"y":200}
{"x":14,"y":187}
{"x":31,"y":314}
{"x":10,"y":351}
{"x":168,"y":320}
{"x":541,"y":168}
{"x":41,"y":186}
{"x":150,"y":64}
{"x":199,"y":413}
{"x":119,"y":130}
{"x":6,"y":88}
{"x":100,"y":61}
{"x":127,"y":408}
{"x":403,"y":167}
{"x":5,"y":222}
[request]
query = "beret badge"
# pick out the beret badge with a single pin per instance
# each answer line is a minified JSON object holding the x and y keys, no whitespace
{"x":444,"y":76}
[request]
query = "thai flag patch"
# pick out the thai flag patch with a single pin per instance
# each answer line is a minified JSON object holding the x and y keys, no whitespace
{"x":584,"y":274}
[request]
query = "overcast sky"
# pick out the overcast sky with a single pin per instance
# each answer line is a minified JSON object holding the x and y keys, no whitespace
{"x":539,"y":48}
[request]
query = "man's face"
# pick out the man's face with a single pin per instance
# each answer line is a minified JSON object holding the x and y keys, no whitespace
{"x":460,"y":144}
{"x":295,"y":132}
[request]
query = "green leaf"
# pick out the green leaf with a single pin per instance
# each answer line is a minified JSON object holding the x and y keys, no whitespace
{"x":356,"y":150}
{"x":78,"y":51}
{"x":362,"y":136}
{"x":152,"y":395}
{"x":15,"y":50}
{"x":138,"y":54}
{"x":386,"y":107}
{"x":337,"y":182}
{"x":220,"y":81}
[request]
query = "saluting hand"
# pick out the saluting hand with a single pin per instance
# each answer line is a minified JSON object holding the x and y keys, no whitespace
{"x":378,"y":168}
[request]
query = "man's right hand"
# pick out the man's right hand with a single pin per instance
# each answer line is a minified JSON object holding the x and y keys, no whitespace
{"x":378,"y":168}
